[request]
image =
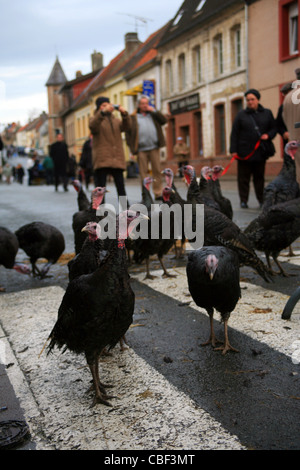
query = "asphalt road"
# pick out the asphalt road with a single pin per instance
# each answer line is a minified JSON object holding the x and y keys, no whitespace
{"x":254,"y":395}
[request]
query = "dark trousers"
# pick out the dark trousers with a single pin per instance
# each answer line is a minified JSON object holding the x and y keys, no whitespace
{"x":61,"y":177}
{"x":245,"y":170}
{"x":101,"y":174}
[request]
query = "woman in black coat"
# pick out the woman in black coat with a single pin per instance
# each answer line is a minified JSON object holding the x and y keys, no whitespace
{"x":251,"y":124}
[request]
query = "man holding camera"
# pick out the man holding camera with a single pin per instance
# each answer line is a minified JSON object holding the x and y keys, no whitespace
{"x":107,"y":147}
{"x":145,"y":139}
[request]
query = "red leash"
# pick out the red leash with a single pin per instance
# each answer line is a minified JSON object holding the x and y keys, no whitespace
{"x":239,"y":158}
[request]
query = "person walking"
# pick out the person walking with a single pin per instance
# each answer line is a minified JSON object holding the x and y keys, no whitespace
{"x":60,"y":155}
{"x":280,"y":124}
{"x":181,"y":153}
{"x":251,"y":143}
{"x":20,"y":173}
{"x":86,"y":163}
{"x":107,"y":145}
{"x":145,"y":139}
{"x":7,"y":173}
{"x":48,"y":166}
{"x":291,"y":117}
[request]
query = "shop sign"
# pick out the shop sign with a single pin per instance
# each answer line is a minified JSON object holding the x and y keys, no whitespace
{"x":183,"y":105}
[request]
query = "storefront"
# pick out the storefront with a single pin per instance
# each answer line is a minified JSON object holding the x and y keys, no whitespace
{"x":185,"y":120}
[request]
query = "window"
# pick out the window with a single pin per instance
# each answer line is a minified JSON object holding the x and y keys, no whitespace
{"x":181,"y":69}
{"x":178,"y":17}
{"x":288,"y":29}
{"x":218,"y":55}
{"x":169,"y":77}
{"x":236,"y":47}
{"x":196,"y":63}
{"x":236,"y":106}
{"x":220,"y":135}
{"x":200,"y":6}
{"x":293,"y":28}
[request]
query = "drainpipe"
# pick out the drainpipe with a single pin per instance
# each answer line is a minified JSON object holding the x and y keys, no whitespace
{"x":247,"y":43}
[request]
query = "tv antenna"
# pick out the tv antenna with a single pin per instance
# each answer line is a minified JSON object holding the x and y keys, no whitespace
{"x":137,"y":18}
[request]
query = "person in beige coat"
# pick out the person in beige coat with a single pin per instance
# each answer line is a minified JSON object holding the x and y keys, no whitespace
{"x":291,"y":116}
{"x":107,"y":148}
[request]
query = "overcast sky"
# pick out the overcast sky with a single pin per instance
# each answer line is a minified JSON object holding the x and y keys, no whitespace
{"x":34,"y":32}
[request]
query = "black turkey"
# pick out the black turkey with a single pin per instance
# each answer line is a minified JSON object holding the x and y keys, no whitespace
{"x":159,"y":245}
{"x":9,"y":247}
{"x":147,"y":199}
{"x":175,"y":198}
{"x":220,"y":230}
{"x":224,"y":202}
{"x":92,"y":252}
{"x":275,"y":229}
{"x":213,"y":276}
{"x":81,"y":218}
{"x":284,"y":187}
{"x":41,"y":240}
{"x":82,"y":199}
{"x":206,"y":194}
{"x":97,"y":308}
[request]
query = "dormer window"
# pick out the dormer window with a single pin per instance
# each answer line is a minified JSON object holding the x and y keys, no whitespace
{"x":200,"y":6}
{"x":178,"y":17}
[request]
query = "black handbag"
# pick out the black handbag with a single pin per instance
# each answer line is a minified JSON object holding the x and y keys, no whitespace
{"x":267,"y":147}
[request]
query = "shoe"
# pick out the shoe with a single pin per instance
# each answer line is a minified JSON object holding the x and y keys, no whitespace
{"x":244,"y":205}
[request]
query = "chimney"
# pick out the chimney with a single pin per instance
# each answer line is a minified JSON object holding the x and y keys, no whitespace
{"x":97,"y":61}
{"x":131,"y":43}
{"x":78,"y":74}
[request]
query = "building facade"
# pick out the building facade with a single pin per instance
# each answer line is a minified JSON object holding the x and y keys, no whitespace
{"x":203,"y":76}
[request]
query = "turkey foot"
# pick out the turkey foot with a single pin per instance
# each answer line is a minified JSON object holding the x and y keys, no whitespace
{"x":166,"y":273}
{"x":100,"y":392}
{"x":123,"y":341}
{"x":212,"y":338}
{"x":227,"y":346}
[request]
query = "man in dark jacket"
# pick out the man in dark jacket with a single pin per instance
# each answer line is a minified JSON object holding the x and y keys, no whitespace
{"x":252,"y":126}
{"x":145,"y":139}
{"x":60,"y":155}
{"x":86,"y":161}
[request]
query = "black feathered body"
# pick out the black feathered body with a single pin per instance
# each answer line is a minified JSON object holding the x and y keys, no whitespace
{"x":80,"y":219}
{"x":284,"y":187}
{"x":143,"y":248}
{"x":224,"y":202}
{"x":97,"y":308}
{"x":89,"y":258}
{"x":275,"y":229}
{"x":223,"y":291}
{"x":41,"y":240}
{"x":82,"y":200}
{"x":222,"y":231}
{"x":205,"y":194}
{"x":9,"y":246}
